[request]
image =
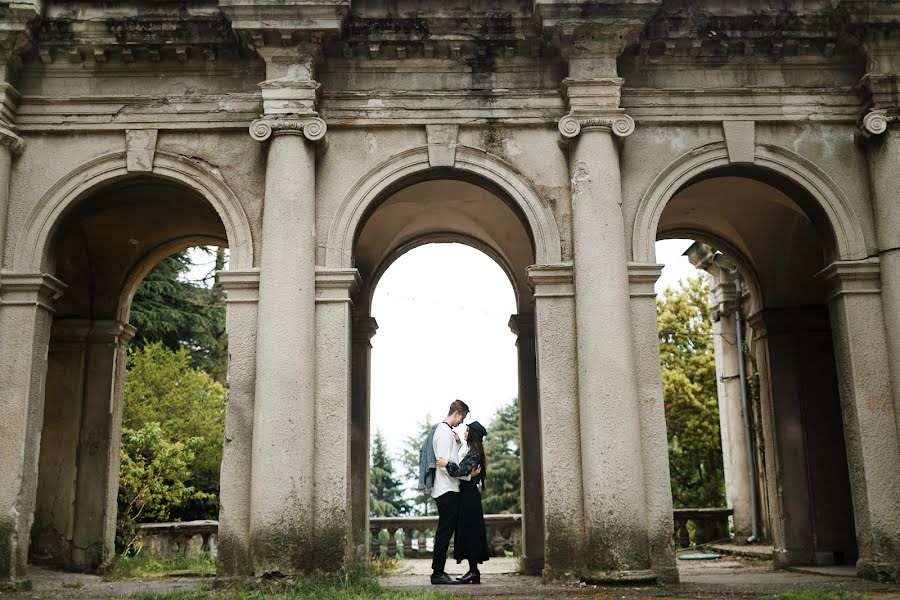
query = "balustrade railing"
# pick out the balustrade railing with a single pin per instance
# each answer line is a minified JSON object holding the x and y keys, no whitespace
{"x":696,"y":526}
{"x":411,"y":537}
{"x":188,"y":537}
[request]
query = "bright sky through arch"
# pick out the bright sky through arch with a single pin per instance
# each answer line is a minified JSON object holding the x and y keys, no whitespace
{"x":442,"y":312}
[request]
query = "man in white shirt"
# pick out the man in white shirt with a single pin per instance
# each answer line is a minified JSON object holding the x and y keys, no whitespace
{"x":446,"y":489}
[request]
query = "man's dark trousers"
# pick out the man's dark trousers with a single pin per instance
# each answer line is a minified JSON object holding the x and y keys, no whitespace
{"x":448,"y":515}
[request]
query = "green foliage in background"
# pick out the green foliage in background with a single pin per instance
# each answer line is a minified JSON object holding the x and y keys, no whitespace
{"x":385,"y":490}
{"x":689,"y":391}
{"x":503,"y":487}
{"x":152,"y":475}
{"x":188,"y":407}
{"x":183,"y":314}
{"x":421,"y":503}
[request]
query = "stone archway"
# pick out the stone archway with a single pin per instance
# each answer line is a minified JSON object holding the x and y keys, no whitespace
{"x":98,"y":231}
{"x":808,"y":287}
{"x":484,"y":203}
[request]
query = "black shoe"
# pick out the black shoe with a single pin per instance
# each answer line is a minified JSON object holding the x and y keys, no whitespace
{"x":470,"y":577}
{"x":441,"y":579}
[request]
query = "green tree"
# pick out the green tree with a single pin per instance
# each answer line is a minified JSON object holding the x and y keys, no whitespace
{"x":503,"y":487}
{"x":183,"y":314}
{"x":689,"y":390}
{"x":162,"y":388}
{"x":152,"y":479}
{"x":385,"y":491}
{"x":421,"y":503}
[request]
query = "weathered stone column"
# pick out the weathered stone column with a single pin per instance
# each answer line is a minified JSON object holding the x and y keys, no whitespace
{"x":284,"y":437}
{"x":522,"y":325}
{"x":884,"y":173}
{"x":10,"y":145}
{"x":364,"y":327}
{"x":333,"y":523}
{"x":728,"y":388}
{"x":78,"y":477}
{"x":654,"y":441}
{"x":614,"y":498}
{"x":242,"y":297}
{"x":26,"y":310}
{"x":97,"y":483}
{"x":554,"y":319}
{"x":873,"y":450}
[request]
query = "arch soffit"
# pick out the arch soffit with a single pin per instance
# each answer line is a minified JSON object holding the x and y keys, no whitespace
{"x":846,"y":228}
{"x":30,"y":250}
{"x":371,"y":186}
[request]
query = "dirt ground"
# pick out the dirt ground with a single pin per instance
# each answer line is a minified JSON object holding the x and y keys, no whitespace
{"x":724,"y":578}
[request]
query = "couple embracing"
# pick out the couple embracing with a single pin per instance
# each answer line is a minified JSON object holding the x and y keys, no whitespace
{"x":454,"y":485}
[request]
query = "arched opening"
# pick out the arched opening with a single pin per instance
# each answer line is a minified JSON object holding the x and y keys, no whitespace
{"x":101,"y":247}
{"x":412,"y":214}
{"x":757,"y":228}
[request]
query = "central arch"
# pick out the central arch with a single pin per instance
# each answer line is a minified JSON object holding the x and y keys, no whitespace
{"x":482,"y":202}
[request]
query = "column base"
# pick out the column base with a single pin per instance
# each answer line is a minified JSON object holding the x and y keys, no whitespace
{"x":642,"y":576}
{"x":878,"y":571}
{"x":533,"y":566}
{"x":667,"y":575}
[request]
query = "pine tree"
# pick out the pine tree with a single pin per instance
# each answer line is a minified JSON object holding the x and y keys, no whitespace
{"x":183,"y":314}
{"x":502,"y":490}
{"x":422,"y":503}
{"x":385,"y":492}
{"x":691,"y":399}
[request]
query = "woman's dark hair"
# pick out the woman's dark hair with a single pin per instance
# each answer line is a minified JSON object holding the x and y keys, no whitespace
{"x":475,"y":442}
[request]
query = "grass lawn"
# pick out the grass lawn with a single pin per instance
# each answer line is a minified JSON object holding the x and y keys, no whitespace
{"x":143,"y":565}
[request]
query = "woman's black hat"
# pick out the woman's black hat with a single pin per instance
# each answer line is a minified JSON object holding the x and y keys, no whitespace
{"x":478,"y":429}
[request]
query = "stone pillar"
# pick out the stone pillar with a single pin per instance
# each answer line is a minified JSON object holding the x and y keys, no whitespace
{"x":873,"y":450}
{"x":97,"y":483}
{"x":364,"y":327}
{"x":282,"y":479}
{"x":241,"y":300}
{"x":10,"y":145}
{"x":654,"y":440}
{"x":522,"y":325}
{"x":610,"y":419}
{"x":26,"y":310}
{"x":884,"y":173}
{"x":554,"y":304}
{"x":333,"y":523}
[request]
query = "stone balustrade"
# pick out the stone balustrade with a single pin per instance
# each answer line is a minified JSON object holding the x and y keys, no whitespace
{"x":189,"y":537}
{"x":709,"y":525}
{"x":411,"y":534}
{"x":504,"y":535}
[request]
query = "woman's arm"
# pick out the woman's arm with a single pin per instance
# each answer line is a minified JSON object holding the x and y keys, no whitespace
{"x":472,"y":460}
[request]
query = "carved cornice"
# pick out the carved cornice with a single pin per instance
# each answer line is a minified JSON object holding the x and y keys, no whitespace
{"x":312,"y":128}
{"x":570,"y":125}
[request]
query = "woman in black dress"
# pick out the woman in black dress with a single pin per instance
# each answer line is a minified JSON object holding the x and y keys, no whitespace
{"x":470,"y":542}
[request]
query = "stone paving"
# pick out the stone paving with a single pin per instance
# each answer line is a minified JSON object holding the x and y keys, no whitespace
{"x":729,"y":577}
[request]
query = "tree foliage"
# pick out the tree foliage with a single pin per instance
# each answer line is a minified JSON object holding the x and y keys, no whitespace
{"x":420,"y":503}
{"x":183,"y":314}
{"x":503,"y":487}
{"x":152,"y":478}
{"x":385,"y":490}
{"x":689,"y":390}
{"x":162,"y":389}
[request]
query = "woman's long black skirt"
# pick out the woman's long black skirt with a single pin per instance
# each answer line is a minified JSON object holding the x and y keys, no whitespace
{"x":471,"y":537}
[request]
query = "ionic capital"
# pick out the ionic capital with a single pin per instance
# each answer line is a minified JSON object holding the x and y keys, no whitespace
{"x":876,"y":122}
{"x":311,"y":127}
{"x":12,"y":141}
{"x":621,"y":125}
